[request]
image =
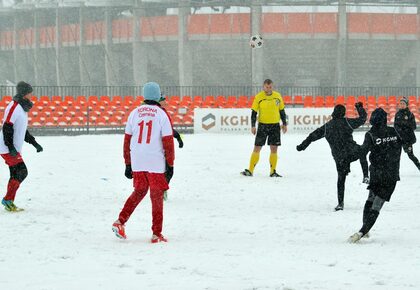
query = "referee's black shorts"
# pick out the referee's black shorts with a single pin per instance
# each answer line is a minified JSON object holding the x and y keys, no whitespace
{"x":270,"y":132}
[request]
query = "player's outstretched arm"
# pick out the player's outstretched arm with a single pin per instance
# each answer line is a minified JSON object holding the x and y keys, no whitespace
{"x":357,"y":122}
{"x":31,"y":140}
{"x":314,"y":136}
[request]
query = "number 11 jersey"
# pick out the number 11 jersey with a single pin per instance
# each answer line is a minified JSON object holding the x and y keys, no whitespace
{"x":147,"y":125}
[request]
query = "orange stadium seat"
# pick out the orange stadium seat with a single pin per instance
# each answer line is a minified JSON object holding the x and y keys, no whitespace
{"x":197,"y":101}
{"x":6,"y":100}
{"x":104,"y":100}
{"x":371,"y":101}
{"x":81,"y":101}
{"x":287,"y":100}
{"x":186,"y":101}
{"x":298,"y":100}
{"x":209,"y":101}
{"x":242,"y":102}
{"x":392,"y":100}
{"x":231,"y":101}
{"x":339,"y":100}
{"x":308,"y":102}
{"x":350,"y":101}
{"x":250,"y":101}
{"x":174,"y":101}
{"x":220,"y":101}
{"x":329,"y":101}
{"x":319,"y":102}
{"x":56,"y":100}
{"x":138,"y":101}
{"x":128,"y":100}
{"x":44,"y":100}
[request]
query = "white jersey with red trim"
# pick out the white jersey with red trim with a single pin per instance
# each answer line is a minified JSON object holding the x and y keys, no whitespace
{"x":14,"y":114}
{"x":148,"y":124}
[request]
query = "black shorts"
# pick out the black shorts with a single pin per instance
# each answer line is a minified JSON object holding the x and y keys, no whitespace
{"x":270,"y":132}
{"x":383,"y":190}
{"x":343,"y":166}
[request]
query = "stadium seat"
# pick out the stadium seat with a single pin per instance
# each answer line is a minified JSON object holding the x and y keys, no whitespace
{"x":287,"y":100}
{"x":371,"y":101}
{"x":93,"y":101}
{"x":231,"y":102}
{"x":6,"y":100}
{"x":44,"y":101}
{"x":339,"y":100}
{"x":56,"y":100}
{"x":412,"y":100}
{"x":350,"y":101}
{"x":308,"y":102}
{"x":197,"y":101}
{"x":104,"y":101}
{"x":80,"y":101}
{"x":250,"y":101}
{"x":242,"y":102}
{"x":220,"y":102}
{"x":128,"y":100}
{"x":186,"y":101}
{"x":69,"y":100}
{"x":34,"y":99}
{"x":329,"y":101}
{"x":319,"y":102}
{"x":209,"y":101}
{"x":173,"y":100}
{"x":298,"y":100}
{"x":138,"y":101}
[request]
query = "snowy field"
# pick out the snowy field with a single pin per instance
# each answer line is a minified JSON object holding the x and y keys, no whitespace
{"x":225,"y":231}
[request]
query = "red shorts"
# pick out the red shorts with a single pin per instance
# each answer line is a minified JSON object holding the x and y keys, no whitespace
{"x":156,"y":181}
{"x":12,"y":160}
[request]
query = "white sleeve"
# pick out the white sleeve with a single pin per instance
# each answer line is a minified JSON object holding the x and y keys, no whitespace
{"x":13,"y":113}
{"x":129,"y":126}
{"x":167,"y":129}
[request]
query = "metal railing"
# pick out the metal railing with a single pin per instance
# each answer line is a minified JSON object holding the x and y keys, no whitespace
{"x":214,"y":91}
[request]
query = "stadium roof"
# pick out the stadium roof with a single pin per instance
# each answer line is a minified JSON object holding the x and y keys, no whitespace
{"x":28,"y":4}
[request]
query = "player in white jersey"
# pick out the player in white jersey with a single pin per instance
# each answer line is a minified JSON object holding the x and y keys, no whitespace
{"x":148,"y":148}
{"x":12,"y":135}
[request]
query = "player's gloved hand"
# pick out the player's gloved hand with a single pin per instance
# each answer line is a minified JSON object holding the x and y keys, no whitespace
{"x":180,"y":142}
{"x":38,"y":147}
{"x":169,"y":172}
{"x":12,"y":151}
{"x":303,"y":145}
{"x":128,"y":171}
{"x":358,"y":105}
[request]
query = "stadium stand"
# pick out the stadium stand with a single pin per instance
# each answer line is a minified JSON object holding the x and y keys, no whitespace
{"x":109,"y":111}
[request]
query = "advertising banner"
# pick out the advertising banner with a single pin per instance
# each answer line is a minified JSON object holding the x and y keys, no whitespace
{"x":239,"y":120}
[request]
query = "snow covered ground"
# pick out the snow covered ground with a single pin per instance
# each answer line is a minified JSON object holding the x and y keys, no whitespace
{"x":225,"y":231}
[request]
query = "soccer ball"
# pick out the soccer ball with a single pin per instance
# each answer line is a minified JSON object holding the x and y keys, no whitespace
{"x":256,"y":41}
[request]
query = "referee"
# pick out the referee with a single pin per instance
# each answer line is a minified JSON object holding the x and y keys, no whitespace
{"x":269,"y":107}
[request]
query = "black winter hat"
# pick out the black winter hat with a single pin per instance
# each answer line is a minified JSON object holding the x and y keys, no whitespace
{"x":339,"y":112}
{"x":23,"y":88}
{"x":404,"y":100}
{"x":378,"y":117}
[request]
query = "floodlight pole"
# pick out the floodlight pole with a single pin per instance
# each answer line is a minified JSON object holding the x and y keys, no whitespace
{"x":342,"y":44}
{"x":184,"y":49}
{"x":418,"y":49}
{"x":140,"y":57}
{"x":257,"y":55}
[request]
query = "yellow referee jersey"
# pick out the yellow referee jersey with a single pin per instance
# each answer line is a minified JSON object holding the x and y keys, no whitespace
{"x":268,"y":107}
